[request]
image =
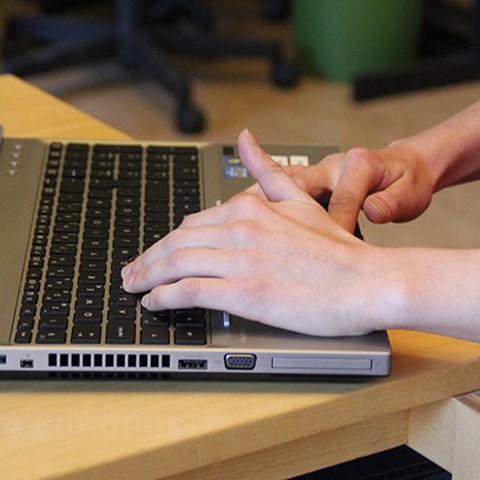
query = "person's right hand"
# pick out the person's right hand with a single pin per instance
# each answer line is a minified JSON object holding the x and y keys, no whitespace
{"x":392,"y":184}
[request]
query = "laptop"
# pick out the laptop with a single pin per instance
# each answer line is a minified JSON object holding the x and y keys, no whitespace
{"x":73,"y":213}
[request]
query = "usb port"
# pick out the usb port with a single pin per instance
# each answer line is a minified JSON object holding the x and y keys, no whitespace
{"x":3,"y":359}
{"x":192,"y":364}
{"x":26,"y":363}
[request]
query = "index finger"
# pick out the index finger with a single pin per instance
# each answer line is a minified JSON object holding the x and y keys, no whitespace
{"x":360,"y":173}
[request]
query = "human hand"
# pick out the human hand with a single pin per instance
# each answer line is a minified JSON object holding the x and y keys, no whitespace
{"x":277,"y":258}
{"x":392,"y":184}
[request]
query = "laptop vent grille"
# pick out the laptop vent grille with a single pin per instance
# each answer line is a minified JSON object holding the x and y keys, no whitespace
{"x":108,"y":360}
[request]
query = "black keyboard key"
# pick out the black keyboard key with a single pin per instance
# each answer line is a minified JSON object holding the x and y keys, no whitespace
{"x":60,"y":271}
{"x":190,"y":318}
{"x":67,"y":237}
{"x":63,"y":249}
{"x":28,"y":310}
{"x":93,"y":266}
{"x":187,"y":207}
{"x":88,"y":289}
{"x":123,"y":299}
{"x":25,"y":323}
{"x":95,"y":244}
{"x":32,"y":284}
{"x":51,"y":335}
{"x":96,"y":232}
{"x":23,"y":335}
{"x":89,"y":302}
{"x":88,"y":315}
{"x":51,"y":296}
{"x":155,"y":335}
{"x":127,"y":221}
{"x":126,"y":231}
{"x":121,"y":312}
{"x":59,"y":284}
{"x":155,"y":319}
{"x":93,"y":254}
{"x":55,"y":308}
{"x":91,"y":277}
{"x":30,"y":296}
{"x":95,"y":212}
{"x":184,"y":171}
{"x":190,"y":336}
{"x":34,"y":272}
{"x":72,"y":185}
{"x":120,"y":332}
{"x":58,"y":260}
{"x":86,"y":333}
{"x":66,"y":228}
{"x":52,"y":321}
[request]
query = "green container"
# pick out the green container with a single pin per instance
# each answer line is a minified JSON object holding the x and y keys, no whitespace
{"x":340,"y":39}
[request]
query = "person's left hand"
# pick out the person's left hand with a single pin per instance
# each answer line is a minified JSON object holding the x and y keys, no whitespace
{"x":276,"y":258}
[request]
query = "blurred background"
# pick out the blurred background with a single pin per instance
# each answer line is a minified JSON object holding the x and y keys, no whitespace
{"x":342,"y":72}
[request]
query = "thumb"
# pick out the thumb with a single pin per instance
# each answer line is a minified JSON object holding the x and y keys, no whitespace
{"x":396,"y":203}
{"x":275,"y":183}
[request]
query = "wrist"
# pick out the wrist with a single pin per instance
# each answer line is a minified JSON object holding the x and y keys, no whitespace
{"x":389,"y":289}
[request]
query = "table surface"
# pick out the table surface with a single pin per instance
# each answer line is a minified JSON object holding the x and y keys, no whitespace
{"x":207,"y":429}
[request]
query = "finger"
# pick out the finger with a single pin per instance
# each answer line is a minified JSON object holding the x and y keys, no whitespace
{"x":181,"y":263}
{"x":211,"y":237}
{"x":211,"y":293}
{"x":272,"y":178}
{"x":395,"y":203}
{"x":381,"y":207}
{"x":361,"y":172}
{"x":320,"y":178}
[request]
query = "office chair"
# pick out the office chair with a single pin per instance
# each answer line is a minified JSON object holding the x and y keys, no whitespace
{"x":436,"y":69}
{"x":140,"y":35}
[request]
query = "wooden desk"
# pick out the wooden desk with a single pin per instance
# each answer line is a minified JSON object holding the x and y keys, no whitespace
{"x":212,"y":430}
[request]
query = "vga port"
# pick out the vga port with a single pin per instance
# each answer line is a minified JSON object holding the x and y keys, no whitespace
{"x":240,"y":361}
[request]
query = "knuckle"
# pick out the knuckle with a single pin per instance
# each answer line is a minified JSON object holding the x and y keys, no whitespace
{"x":244,"y":232}
{"x":359,"y":154}
{"x":245,"y":204}
{"x":190,"y":220}
{"x":170,"y":240}
{"x":176,"y":259}
{"x":360,"y":159}
{"x":191,"y":290}
{"x":343,"y":200}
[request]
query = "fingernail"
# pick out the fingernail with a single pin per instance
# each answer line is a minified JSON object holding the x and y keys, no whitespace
{"x":127,"y":282}
{"x":145,"y":301}
{"x":250,"y":136}
{"x":126,"y":270}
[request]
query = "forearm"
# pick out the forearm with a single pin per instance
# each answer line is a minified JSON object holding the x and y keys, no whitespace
{"x":431,"y":290}
{"x":450,"y":150}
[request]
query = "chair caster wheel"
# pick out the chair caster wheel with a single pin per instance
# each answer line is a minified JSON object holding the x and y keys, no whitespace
{"x":285,"y":75}
{"x":190,"y":119}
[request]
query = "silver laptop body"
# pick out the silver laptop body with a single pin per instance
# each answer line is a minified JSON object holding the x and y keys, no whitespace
{"x":58,"y":319}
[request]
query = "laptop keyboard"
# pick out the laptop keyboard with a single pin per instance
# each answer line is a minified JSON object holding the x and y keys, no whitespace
{"x":100,"y":207}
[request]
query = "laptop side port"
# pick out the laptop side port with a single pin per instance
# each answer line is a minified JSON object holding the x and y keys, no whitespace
{"x":26,"y":363}
{"x":240,"y":361}
{"x":3,"y":359}
{"x":189,"y":364}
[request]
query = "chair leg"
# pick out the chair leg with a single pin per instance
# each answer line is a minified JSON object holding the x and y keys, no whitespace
{"x":150,"y":57}
{"x":60,"y":55}
{"x":137,"y":49}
